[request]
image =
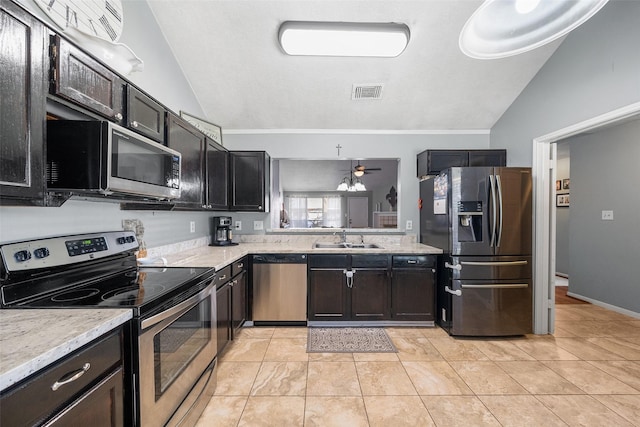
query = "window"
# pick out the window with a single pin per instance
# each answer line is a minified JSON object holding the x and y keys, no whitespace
{"x":314,"y":211}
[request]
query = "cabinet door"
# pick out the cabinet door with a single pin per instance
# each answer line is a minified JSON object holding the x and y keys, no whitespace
{"x":328,"y":295}
{"x":223,"y":316}
{"x":144,"y":115}
{"x":413,"y":294}
{"x":488,"y":158}
{"x":370,"y":295}
{"x":186,"y":139}
{"x":22,"y":106}
{"x":249,"y":181}
{"x":439,"y":160}
{"x":79,"y":78}
{"x":238,"y":301}
{"x":217,"y":176}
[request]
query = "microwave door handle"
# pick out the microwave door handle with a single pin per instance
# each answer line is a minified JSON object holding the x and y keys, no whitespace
{"x":500,"y":210}
{"x":492,"y":196}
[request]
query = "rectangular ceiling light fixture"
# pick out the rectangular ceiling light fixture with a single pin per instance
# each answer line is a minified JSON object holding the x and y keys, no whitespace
{"x":343,"y":38}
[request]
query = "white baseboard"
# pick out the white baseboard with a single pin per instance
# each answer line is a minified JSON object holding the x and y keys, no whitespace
{"x":605,"y":305}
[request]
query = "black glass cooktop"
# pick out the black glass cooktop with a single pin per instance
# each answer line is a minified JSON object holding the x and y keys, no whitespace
{"x":143,"y":288}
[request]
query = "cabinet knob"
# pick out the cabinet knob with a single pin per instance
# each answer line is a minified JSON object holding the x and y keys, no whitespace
{"x":118,"y":116}
{"x":134,"y":124}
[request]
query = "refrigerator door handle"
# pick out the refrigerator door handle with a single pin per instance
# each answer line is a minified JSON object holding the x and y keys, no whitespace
{"x":453,"y":266}
{"x":492,"y":263}
{"x":499,"y":231}
{"x":492,"y":195}
{"x":457,"y":292}
{"x":497,"y":286}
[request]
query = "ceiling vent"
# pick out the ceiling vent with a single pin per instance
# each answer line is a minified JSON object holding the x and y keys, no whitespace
{"x":366,"y":91}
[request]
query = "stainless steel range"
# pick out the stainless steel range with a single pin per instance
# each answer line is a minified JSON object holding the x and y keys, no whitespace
{"x":173,"y":336}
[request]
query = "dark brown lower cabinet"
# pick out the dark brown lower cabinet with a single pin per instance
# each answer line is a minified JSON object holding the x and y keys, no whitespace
{"x":83,"y":389}
{"x":238,"y":301}
{"x":223,"y":315}
{"x":413,"y":281}
{"x":369,"y":295}
{"x":348,"y":287}
{"x":327,"y":295}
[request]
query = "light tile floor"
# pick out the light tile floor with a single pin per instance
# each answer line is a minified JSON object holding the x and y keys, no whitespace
{"x":587,"y":374}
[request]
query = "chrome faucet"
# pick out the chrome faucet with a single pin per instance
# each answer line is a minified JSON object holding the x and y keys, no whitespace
{"x":343,"y":236}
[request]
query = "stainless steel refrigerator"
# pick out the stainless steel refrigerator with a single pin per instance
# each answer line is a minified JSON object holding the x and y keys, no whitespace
{"x":481,"y":217}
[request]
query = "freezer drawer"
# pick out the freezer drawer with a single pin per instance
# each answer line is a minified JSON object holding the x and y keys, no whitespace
{"x":491,"y":308}
{"x":489,"y":268}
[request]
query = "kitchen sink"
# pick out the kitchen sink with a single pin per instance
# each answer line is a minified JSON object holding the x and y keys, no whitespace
{"x":346,"y":246}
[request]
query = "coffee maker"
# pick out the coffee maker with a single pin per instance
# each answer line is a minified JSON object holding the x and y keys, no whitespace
{"x":222,"y":231}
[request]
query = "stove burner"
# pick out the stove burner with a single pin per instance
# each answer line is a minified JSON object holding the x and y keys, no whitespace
{"x":131,"y":292}
{"x":75,"y":295}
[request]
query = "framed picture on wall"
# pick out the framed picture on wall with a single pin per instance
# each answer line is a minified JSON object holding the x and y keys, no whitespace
{"x":565,"y":184}
{"x":558,"y":185}
{"x":562,"y":200}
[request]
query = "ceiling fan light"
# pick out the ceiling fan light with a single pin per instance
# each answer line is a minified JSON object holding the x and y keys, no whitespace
{"x":502,"y":28}
{"x":358,"y":173}
{"x":343,"y":38}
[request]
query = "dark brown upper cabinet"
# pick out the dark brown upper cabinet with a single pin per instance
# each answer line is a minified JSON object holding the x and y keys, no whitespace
{"x":432,"y":162}
{"x":82,"y":80}
{"x":250,"y":180}
{"x":188,"y":141}
{"x":23,"y":77}
{"x":216,"y":176}
{"x":145,"y":115}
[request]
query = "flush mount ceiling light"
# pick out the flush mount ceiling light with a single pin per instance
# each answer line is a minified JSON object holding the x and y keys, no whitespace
{"x":343,"y":38}
{"x":501,"y":28}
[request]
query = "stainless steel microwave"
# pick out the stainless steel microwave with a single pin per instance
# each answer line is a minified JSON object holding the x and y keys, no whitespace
{"x":102,"y":158}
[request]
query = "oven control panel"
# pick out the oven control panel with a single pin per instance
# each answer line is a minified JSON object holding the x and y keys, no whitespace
{"x":56,"y":251}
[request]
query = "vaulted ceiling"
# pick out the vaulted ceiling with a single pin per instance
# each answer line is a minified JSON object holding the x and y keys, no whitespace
{"x":229,"y":52}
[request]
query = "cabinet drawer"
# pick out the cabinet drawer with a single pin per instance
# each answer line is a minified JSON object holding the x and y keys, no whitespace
{"x":238,"y":267}
{"x":81,"y":79}
{"x":223,"y":276}
{"x":328,"y":261}
{"x":37,"y":393}
{"x":413,"y":261}
{"x":373,"y":261}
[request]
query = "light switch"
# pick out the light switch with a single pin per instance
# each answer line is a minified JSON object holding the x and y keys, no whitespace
{"x":607,"y":215}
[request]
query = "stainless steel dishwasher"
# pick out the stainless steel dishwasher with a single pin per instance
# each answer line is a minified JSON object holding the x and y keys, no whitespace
{"x":279,"y":289}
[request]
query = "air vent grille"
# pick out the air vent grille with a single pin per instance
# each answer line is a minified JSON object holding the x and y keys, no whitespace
{"x":367,"y":91}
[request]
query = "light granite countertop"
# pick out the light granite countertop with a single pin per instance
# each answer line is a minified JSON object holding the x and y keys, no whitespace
{"x":221,"y":256}
{"x":32,"y":339}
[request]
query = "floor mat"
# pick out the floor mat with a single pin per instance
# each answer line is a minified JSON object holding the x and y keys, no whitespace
{"x":349,"y":340}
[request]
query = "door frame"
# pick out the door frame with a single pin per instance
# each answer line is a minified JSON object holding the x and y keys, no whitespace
{"x":544,"y":170}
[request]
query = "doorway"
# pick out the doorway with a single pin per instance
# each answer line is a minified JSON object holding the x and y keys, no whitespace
{"x":357,"y":212}
{"x":544,"y":174}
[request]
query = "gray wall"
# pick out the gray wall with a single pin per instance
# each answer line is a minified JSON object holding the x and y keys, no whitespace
{"x":595,"y":70}
{"x":604,"y":255}
{"x":371,"y":146}
{"x":562,"y":220}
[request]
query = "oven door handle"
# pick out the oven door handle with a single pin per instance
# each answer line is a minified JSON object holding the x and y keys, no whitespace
{"x":178,"y":309}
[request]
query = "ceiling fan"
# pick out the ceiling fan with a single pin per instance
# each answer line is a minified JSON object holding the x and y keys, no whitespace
{"x":360,"y":170}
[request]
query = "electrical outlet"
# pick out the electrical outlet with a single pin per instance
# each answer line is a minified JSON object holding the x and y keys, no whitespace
{"x":409,"y":225}
{"x":258,"y":225}
{"x":607,"y":215}
{"x":238,"y":225}
{"x":192,"y":226}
